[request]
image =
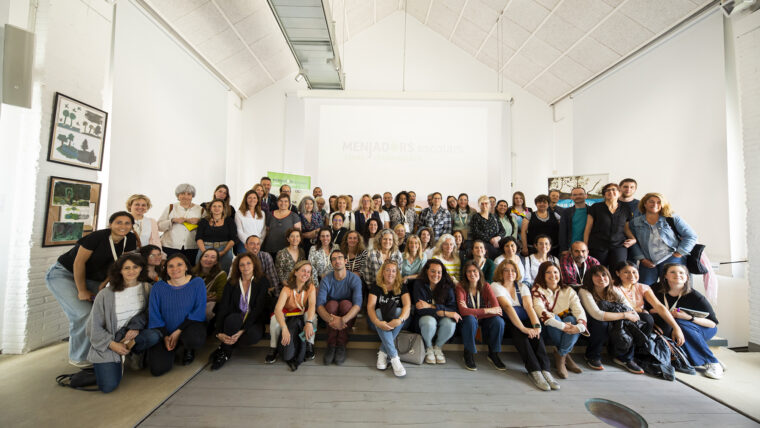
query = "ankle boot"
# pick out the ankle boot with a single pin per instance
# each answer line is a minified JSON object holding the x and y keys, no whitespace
{"x":571,"y":364}
{"x":559,"y":360}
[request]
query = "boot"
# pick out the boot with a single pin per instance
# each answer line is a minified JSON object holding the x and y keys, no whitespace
{"x":559,"y":360}
{"x":571,"y":364}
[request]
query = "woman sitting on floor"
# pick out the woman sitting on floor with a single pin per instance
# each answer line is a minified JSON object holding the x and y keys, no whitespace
{"x":297,"y":298}
{"x":479,"y":308}
{"x":117,"y":324}
{"x":510,"y":249}
{"x":436,"y":313}
{"x":241,"y":308}
{"x":388,"y":308}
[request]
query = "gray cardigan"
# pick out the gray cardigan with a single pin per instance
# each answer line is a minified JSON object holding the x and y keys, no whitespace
{"x":101,"y":325}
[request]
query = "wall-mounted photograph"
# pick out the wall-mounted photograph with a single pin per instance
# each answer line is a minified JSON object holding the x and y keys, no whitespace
{"x":72,"y":211}
{"x":592,"y":183}
{"x":78,"y":133}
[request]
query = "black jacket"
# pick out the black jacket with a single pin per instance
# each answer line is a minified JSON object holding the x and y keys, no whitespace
{"x":230,"y":303}
{"x":566,"y":227}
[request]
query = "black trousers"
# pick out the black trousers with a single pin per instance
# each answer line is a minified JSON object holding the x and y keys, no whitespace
{"x":609,"y":257}
{"x":232,"y":324}
{"x":296,"y":348}
{"x":532,"y":351}
{"x":161,"y":360}
{"x":190,"y":254}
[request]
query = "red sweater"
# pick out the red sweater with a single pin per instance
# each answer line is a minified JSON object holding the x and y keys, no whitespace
{"x":487,"y":297}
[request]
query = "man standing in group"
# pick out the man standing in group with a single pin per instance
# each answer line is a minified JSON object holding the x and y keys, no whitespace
{"x":253,"y":246}
{"x":387,"y":201}
{"x":572,"y":221}
{"x":339,"y":300}
{"x":417,"y":209}
{"x":628,"y":187}
{"x":436,"y":217}
{"x":269,"y":201}
{"x":286,"y":190}
{"x":377,"y":205}
{"x":317,"y":192}
{"x":575,"y":264}
{"x":553,"y":200}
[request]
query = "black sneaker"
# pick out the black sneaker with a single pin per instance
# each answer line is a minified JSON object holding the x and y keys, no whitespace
{"x":595,"y":364}
{"x":493,"y":357}
{"x":219,"y":357}
{"x":329,"y":355}
{"x":271,"y":356}
{"x":469,"y":361}
{"x":340,"y":355}
{"x":309,"y":351}
{"x":293,"y":365}
{"x":188,"y":357}
{"x":631,"y":366}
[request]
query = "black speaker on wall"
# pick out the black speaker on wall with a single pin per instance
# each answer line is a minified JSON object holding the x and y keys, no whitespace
{"x":18,"y":60}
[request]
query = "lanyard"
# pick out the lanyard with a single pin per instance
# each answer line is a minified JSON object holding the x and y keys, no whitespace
{"x":299,"y":305}
{"x":113,"y":248}
{"x":475,"y":300}
{"x":580,"y":275}
{"x":245,"y":296}
{"x":665,"y":298}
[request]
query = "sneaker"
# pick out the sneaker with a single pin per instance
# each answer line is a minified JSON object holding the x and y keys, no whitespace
{"x":722,"y":366}
{"x":629,"y":365}
{"x":218,"y":358}
{"x":309,"y":351}
{"x":292,"y":364}
{"x":550,"y":380}
{"x":271,"y":356}
{"x":439,"y":358}
{"x":595,"y":364}
{"x":188,"y":356}
{"x":469,"y":361}
{"x":382,"y":360}
{"x":429,"y":356}
{"x":398,"y":369}
{"x":329,"y":355}
{"x":81,"y":364}
{"x":340,"y":355}
{"x":539,"y":380}
{"x":714,"y":371}
{"x":496,"y":362}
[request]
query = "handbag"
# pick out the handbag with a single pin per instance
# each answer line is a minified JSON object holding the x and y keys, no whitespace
{"x":83,"y":380}
{"x":410,"y":347}
{"x":693,"y":259}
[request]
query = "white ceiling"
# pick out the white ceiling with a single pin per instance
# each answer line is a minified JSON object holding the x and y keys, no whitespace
{"x":548,"y":47}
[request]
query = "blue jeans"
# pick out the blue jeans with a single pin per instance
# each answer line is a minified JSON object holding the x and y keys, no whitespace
{"x":387,"y":338}
{"x":563,"y":341}
{"x":429,"y":326}
{"x":108,"y":375}
{"x":146,"y":339}
{"x":492,"y":331}
{"x":61,"y":284}
{"x":649,"y":276}
{"x":695,"y":345}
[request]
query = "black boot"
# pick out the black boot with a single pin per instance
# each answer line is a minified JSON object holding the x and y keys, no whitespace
{"x":188,"y":356}
{"x":469,"y":361}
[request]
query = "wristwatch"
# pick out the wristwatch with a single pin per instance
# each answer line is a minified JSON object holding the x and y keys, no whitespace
{"x":692,"y":318}
{"x":536,"y":325}
{"x":310,"y":322}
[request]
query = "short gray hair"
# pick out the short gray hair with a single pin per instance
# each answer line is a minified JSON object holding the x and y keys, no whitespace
{"x":184,"y":188}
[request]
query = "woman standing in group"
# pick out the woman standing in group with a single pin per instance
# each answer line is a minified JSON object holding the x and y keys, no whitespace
{"x":222,"y":193}
{"x":356,"y":255}
{"x":210,"y":271}
{"x":343,"y":204}
{"x":319,"y":254}
{"x":179,"y":222}
{"x":400,"y":236}
{"x":218,"y":232}
{"x":117,"y":324}
{"x":486,"y":265}
{"x":436,"y":312}
{"x":79,"y":273}
{"x":522,"y":322}
{"x":675,"y":292}
{"x":178,"y":310}
{"x":661,"y":236}
{"x":413,"y":259}
{"x":543,"y":246}
{"x":519,"y":211}
{"x":402,"y":213}
{"x":561,"y":313}
{"x":279,"y":222}
{"x":298,"y":298}
{"x":370,"y":232}
{"x":145,"y":228}
{"x":485,"y":227}
{"x":506,"y":220}
{"x":386,"y":249}
{"x":153,"y":262}
{"x":249,"y":220}
{"x":479,"y":308}
{"x":364,"y":213}
{"x":460,"y":215}
{"x":288,"y":257}
{"x":451,"y":203}
{"x":596,"y":288}
{"x":426,"y":240}
{"x":459,"y":242}
{"x":388,"y":308}
{"x":544,"y":221}
{"x":446,"y":252}
{"x":242,"y":308}
{"x":605,"y":228}
{"x":311,"y":222}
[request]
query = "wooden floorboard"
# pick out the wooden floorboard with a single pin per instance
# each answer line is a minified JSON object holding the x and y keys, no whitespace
{"x":247,"y":392}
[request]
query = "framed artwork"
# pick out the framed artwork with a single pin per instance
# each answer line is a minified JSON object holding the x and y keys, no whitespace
{"x":78,"y":133}
{"x":72,"y":211}
{"x":592,"y":183}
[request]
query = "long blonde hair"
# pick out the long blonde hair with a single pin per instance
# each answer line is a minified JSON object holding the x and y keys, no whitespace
{"x":408,"y":252}
{"x":396,"y":285}
{"x":665,"y":209}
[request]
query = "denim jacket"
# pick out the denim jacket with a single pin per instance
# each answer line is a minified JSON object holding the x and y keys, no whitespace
{"x":640,"y":229}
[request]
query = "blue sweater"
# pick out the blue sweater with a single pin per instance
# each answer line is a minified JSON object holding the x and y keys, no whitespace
{"x":170,"y":307}
{"x":332,"y":289}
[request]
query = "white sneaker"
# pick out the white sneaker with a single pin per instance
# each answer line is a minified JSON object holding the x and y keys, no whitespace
{"x":382,"y":360}
{"x":714,"y":371}
{"x":429,"y":356}
{"x":398,"y":369}
{"x":439,"y":358}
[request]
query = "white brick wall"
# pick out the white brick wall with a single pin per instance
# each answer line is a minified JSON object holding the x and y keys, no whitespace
{"x":748,"y":68}
{"x":72,"y":56}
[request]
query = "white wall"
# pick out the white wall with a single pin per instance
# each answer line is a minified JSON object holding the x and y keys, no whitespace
{"x":169,"y":119}
{"x":373,"y":62}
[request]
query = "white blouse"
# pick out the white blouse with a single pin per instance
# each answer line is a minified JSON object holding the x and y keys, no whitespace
{"x":176,"y":235}
{"x":248,"y":225}
{"x":147,"y":230}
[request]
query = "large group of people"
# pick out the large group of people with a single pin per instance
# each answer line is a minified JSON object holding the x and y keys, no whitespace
{"x":143,"y":291}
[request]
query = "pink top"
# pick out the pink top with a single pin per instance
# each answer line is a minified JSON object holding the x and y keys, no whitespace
{"x":635,"y":296}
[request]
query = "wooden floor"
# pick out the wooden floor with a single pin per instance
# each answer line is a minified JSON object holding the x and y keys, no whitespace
{"x":247,"y":392}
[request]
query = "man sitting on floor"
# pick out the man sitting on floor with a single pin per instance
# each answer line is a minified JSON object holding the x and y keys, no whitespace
{"x":576,"y":263}
{"x":338,"y":302}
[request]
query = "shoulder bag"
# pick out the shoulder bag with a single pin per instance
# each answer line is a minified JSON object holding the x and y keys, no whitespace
{"x":693,"y":259}
{"x":410,"y":347}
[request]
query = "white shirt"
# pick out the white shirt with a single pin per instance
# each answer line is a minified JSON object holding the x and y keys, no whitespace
{"x":531,"y":267}
{"x":520,"y":266}
{"x":385,"y":218}
{"x":500,"y":291}
{"x":128,"y":303}
{"x":176,"y":235}
{"x":248,"y":225}
{"x":145,"y":229}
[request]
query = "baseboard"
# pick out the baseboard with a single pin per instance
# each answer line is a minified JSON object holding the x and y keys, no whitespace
{"x":753,"y":347}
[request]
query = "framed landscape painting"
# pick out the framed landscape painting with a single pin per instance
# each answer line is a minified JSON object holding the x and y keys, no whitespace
{"x":72,"y":211}
{"x":78,"y":133}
